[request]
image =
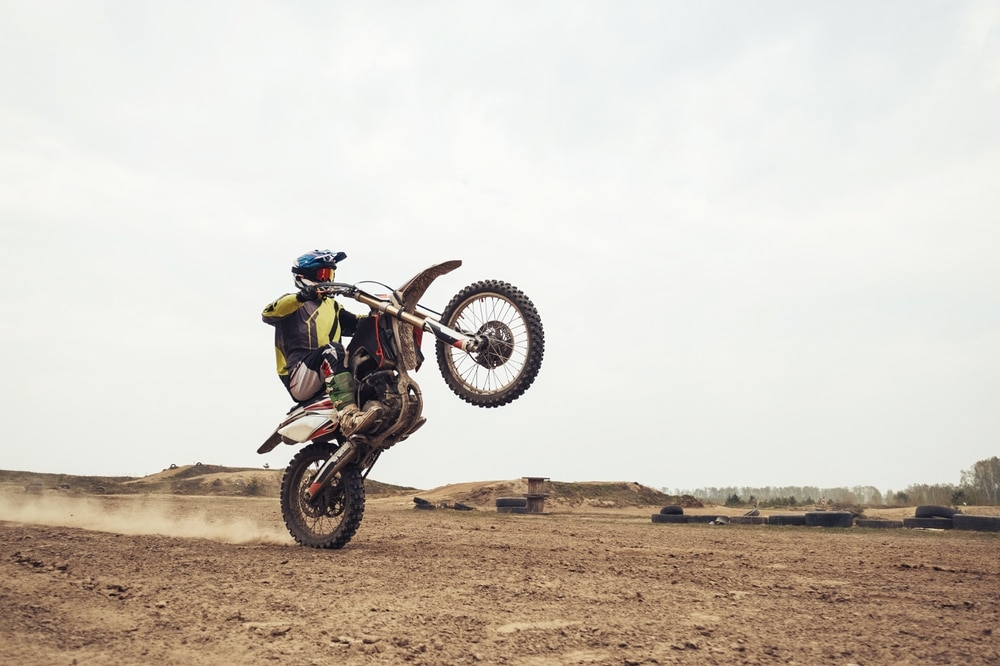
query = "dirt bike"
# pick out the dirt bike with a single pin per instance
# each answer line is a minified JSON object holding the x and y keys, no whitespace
{"x":489,"y":343}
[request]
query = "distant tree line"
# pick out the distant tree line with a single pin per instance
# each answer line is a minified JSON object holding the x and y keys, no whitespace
{"x":982,"y":482}
{"x":979,"y":485}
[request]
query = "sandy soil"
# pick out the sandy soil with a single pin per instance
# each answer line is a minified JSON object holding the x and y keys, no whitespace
{"x":217,"y":580}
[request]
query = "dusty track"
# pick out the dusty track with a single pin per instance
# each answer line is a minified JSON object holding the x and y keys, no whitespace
{"x":450,"y":587}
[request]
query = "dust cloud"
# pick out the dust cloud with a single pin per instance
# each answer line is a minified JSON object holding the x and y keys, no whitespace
{"x":172,"y":517}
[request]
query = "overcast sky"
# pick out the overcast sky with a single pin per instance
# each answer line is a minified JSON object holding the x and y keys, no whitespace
{"x":762,"y":236}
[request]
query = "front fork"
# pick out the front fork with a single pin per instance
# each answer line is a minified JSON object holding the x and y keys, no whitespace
{"x":336,"y":462}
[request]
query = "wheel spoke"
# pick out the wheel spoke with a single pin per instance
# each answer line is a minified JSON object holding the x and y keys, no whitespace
{"x":511,"y":344}
{"x":503,"y":360}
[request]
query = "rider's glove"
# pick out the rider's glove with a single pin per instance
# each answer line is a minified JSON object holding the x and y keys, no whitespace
{"x":310,"y":293}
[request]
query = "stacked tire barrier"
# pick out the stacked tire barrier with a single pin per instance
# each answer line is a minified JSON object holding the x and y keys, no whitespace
{"x":751,"y":517}
{"x":511,"y":504}
{"x":879,"y":523}
{"x":673,"y":513}
{"x":797,"y":519}
{"x":421,"y":504}
{"x":931,"y":517}
{"x":748,"y":520}
{"x":829,"y":519}
{"x":928,"y":516}
{"x":976,"y":523}
{"x":935,"y":523}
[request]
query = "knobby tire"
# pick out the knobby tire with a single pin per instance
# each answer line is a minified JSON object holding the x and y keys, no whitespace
{"x":503,"y":371}
{"x":331,"y":521}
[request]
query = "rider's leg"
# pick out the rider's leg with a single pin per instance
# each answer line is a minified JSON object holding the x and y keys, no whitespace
{"x":340,"y":386}
{"x":352,"y":419}
{"x":305,"y":381}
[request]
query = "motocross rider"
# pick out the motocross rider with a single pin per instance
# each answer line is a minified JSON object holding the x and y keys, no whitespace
{"x":308,"y":326}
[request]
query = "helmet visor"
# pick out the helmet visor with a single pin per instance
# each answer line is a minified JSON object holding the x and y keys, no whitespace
{"x":324,"y":274}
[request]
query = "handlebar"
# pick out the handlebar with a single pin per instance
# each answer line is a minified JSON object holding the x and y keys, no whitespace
{"x":336,"y":289}
{"x":422,"y":318}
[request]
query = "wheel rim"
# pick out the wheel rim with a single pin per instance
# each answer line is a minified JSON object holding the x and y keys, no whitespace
{"x":502,"y":360}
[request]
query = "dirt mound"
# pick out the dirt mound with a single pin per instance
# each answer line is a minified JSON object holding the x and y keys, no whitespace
{"x":690,"y":502}
{"x":218,"y":480}
{"x":197,"y":479}
{"x":15,"y":481}
{"x":178,"y":472}
{"x":598,"y":494}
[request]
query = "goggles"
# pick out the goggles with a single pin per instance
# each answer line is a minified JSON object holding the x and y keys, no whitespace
{"x":324,"y":274}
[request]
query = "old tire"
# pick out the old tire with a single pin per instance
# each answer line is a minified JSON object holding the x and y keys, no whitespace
{"x":509,"y":362}
{"x":330,"y":519}
{"x":829,"y":519}
{"x":798,"y":519}
{"x":748,"y":520}
{"x":511,"y":502}
{"x":929,"y":523}
{"x":672,"y":510}
{"x":874,"y":522}
{"x":934,"y":511}
{"x":962,"y":521}
{"x":669,"y":518}
{"x":512,"y":509}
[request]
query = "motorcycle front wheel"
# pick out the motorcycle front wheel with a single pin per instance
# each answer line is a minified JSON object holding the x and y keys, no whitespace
{"x":503,"y":369}
{"x":330,"y":519}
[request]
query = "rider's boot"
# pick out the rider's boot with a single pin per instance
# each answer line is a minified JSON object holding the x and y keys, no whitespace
{"x":352,"y":419}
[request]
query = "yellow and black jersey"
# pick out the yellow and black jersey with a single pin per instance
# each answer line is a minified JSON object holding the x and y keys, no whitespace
{"x":300,"y":328}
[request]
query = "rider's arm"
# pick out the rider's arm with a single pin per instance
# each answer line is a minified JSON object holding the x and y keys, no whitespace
{"x":349,"y":322}
{"x":280,"y":308}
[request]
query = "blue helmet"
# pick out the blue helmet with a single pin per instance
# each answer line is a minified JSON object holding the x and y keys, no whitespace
{"x":316,"y":266}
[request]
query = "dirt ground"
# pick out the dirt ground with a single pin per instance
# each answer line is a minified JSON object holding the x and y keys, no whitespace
{"x":217,"y":580}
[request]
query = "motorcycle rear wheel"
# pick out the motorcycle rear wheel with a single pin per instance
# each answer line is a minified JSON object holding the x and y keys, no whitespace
{"x":502,"y":371}
{"x":331,"y":518}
